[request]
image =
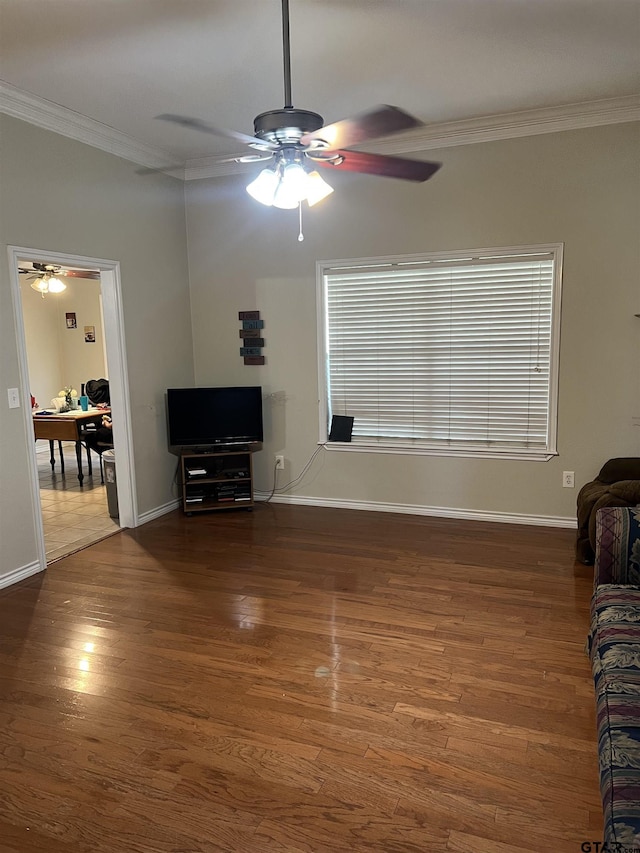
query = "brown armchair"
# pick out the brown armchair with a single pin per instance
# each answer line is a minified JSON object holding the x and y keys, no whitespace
{"x":617,"y":484}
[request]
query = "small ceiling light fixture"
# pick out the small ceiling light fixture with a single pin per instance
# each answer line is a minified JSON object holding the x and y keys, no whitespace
{"x":48,"y":283}
{"x":288,"y":184}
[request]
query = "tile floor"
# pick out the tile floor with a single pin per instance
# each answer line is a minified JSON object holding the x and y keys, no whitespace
{"x":74,"y":516}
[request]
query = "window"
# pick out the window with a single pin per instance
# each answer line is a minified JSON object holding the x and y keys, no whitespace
{"x":450,"y":354}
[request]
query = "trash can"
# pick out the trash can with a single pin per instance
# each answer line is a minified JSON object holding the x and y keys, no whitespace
{"x":109,"y":461}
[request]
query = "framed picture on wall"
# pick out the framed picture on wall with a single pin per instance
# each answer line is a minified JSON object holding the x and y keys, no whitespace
{"x":72,"y":323}
{"x":90,"y":334}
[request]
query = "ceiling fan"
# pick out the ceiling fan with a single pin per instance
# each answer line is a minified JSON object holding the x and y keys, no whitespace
{"x":44,"y":277}
{"x":297,"y":141}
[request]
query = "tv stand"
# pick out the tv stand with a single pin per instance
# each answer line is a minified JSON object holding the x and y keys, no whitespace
{"x":216,"y":479}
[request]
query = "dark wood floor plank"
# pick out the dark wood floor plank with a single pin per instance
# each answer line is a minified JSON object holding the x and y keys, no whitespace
{"x":301,"y":680}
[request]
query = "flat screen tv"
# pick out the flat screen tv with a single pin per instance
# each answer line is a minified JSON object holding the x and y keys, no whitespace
{"x":210,"y":417}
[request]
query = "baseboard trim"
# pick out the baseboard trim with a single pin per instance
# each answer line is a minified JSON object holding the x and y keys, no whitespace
{"x":158,"y":512}
{"x":17,"y":575}
{"x":434,"y":511}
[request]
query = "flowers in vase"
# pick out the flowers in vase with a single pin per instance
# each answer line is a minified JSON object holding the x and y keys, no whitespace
{"x":68,"y":393}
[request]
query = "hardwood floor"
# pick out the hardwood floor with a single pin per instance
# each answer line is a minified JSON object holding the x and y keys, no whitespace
{"x":304,"y":680}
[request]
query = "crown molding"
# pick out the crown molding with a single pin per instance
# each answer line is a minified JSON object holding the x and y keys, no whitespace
{"x":66,"y":122}
{"x":517,"y":124}
{"x":49,"y":116}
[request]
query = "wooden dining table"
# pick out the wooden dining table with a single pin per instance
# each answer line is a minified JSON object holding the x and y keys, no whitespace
{"x":67,"y":426}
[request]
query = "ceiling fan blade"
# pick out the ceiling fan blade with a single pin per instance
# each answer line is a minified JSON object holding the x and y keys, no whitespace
{"x":198,"y":124}
{"x":38,"y":269}
{"x":378,"y":164}
{"x":92,"y":274}
{"x":37,"y":273}
{"x":380,"y":121}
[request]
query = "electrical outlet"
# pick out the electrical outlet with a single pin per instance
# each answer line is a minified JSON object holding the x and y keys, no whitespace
{"x":279,"y":462}
{"x":14,"y":398}
{"x":568,"y":479}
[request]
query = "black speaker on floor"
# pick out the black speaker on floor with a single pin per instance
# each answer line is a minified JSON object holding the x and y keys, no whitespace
{"x":341,"y":428}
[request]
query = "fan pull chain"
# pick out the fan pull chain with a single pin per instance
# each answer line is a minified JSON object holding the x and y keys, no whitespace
{"x":300,"y":234}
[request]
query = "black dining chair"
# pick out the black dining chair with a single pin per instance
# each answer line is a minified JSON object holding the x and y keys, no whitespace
{"x":92,"y":443}
{"x":95,"y":438}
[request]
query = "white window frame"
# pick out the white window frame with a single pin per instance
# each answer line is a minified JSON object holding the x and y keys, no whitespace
{"x":423,"y":447}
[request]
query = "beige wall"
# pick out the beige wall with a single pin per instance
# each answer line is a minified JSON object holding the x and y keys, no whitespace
{"x":581,"y":188}
{"x":57,"y":355}
{"x":63,"y":196}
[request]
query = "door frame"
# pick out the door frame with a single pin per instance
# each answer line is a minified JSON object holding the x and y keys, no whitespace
{"x":118,"y":378}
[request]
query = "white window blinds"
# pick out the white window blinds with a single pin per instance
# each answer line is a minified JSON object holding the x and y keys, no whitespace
{"x":453,"y":353}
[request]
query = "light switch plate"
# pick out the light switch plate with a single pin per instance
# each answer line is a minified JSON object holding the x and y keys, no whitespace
{"x":14,"y":398}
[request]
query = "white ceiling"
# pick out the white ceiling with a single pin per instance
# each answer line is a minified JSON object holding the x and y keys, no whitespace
{"x":122,"y":62}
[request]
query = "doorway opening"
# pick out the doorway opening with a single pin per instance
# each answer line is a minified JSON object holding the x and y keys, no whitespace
{"x":78,"y":336}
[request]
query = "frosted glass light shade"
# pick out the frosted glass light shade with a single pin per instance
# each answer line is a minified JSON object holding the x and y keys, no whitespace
{"x":264,"y":187}
{"x":56,"y":286}
{"x":292,"y":188}
{"x":41,"y":285}
{"x":317,"y":188}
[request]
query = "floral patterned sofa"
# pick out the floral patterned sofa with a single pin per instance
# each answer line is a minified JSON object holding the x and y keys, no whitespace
{"x":614,"y":646}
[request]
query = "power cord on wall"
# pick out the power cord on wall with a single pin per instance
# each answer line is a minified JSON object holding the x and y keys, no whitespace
{"x":291,"y":483}
{"x":260,"y":492}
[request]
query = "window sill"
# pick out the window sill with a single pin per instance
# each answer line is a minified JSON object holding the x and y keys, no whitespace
{"x":468,"y":453}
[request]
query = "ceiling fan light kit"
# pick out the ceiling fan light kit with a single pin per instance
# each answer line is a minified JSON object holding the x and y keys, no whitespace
{"x":299,"y":141}
{"x":288,"y":185}
{"x":48,"y":283}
